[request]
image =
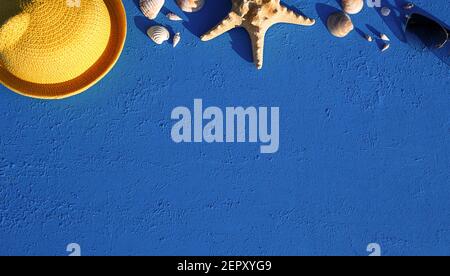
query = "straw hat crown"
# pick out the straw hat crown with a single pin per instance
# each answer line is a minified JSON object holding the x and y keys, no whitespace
{"x":52,"y":41}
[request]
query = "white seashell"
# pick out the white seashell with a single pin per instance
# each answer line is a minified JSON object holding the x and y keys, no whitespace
{"x":385,"y":11}
{"x":174,"y":17}
{"x":352,"y":6}
{"x":158,"y":34}
{"x":408,"y":6}
{"x":385,"y":47}
{"x":190,"y":5}
{"x":339,"y":24}
{"x":151,"y":8}
{"x":384,"y":37}
{"x":176,"y":39}
{"x":369,"y":38}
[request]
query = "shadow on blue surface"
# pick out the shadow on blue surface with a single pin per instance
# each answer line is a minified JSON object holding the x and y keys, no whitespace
{"x":444,"y":53}
{"x":143,"y":23}
{"x":324,"y":11}
{"x":209,"y":16}
{"x":396,"y":22}
{"x":296,"y":10}
{"x":200,"y":22}
{"x":376,"y":34}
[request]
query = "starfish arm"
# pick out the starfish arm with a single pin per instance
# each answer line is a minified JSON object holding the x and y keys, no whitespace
{"x":230,"y":22}
{"x":288,"y":16}
{"x":257,"y":38}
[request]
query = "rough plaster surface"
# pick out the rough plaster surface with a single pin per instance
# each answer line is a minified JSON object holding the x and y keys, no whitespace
{"x":364,"y":152}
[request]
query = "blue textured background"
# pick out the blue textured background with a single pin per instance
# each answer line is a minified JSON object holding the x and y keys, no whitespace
{"x":364,"y":152}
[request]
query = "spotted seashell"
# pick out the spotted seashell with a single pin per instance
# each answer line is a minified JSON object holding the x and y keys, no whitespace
{"x":151,"y":8}
{"x":174,"y":17}
{"x":158,"y":34}
{"x":339,"y":24}
{"x":385,"y":47}
{"x":176,"y":39}
{"x":190,"y":5}
{"x":352,"y":6}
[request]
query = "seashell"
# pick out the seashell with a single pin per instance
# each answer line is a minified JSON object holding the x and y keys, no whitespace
{"x":158,"y":34}
{"x":384,"y":37}
{"x":176,"y":39}
{"x":385,"y":11}
{"x":385,"y":47}
{"x":172,"y":16}
{"x":190,"y":5}
{"x":369,"y":38}
{"x":352,"y":6}
{"x":408,"y":6}
{"x":339,"y":24}
{"x":151,"y":8}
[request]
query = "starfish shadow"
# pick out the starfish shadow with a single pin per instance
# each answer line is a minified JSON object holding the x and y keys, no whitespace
{"x":294,"y":8}
{"x":241,"y":44}
{"x":209,"y":16}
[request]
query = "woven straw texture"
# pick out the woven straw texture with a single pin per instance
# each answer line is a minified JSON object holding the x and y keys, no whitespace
{"x":56,"y":48}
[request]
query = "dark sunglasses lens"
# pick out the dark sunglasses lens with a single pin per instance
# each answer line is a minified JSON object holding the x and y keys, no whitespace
{"x":422,"y":33}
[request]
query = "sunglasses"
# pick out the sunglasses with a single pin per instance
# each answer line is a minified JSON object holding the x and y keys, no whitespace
{"x":423,"y":32}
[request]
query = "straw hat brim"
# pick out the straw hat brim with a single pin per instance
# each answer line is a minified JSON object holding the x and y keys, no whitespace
{"x":89,"y":78}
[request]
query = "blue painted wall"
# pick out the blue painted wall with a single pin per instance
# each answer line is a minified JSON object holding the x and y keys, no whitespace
{"x":364,"y":148}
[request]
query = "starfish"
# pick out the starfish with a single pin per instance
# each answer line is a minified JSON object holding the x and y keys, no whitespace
{"x":257,"y":16}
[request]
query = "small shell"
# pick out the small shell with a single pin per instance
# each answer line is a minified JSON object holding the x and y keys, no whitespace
{"x":385,"y":47}
{"x":174,"y":17}
{"x":384,"y":37}
{"x":190,"y":5}
{"x":385,"y":11}
{"x":151,"y":8}
{"x":369,"y":38}
{"x":176,"y":39}
{"x":339,"y":24}
{"x":158,"y":34}
{"x":352,"y":6}
{"x":408,"y":6}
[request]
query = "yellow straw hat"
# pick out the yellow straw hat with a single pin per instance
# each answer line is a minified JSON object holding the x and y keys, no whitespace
{"x":53,"y":49}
